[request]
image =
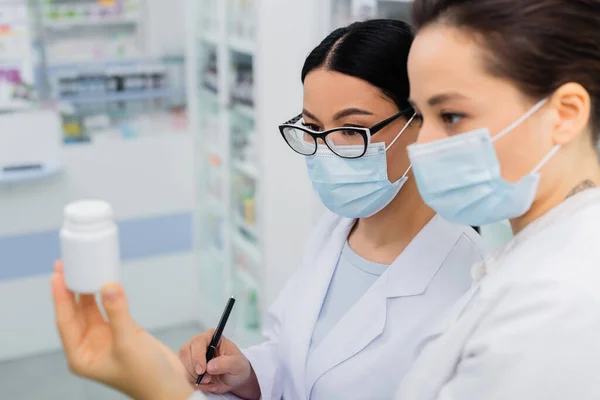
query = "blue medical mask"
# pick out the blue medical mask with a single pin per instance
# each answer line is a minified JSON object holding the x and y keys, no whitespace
{"x":354,"y":188}
{"x":460,"y":178}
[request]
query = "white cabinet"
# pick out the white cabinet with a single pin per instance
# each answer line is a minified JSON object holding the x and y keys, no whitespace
{"x":255,"y":204}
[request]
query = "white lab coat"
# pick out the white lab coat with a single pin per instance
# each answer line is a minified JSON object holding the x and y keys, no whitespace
{"x":529,"y":328}
{"x":375,"y":342}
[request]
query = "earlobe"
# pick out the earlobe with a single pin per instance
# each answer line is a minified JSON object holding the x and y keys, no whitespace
{"x":572,"y":105}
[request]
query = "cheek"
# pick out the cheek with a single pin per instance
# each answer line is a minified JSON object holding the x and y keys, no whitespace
{"x":397,"y":156}
{"x":521,"y":151}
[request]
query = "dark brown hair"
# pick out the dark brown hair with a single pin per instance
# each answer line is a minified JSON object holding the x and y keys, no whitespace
{"x":375,"y":51}
{"x":538,"y":44}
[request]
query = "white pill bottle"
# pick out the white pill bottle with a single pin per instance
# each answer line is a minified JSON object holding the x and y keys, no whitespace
{"x":90,"y":246}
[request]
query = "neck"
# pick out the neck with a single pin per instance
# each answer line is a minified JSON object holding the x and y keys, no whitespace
{"x":382,"y":237}
{"x":585,"y":175}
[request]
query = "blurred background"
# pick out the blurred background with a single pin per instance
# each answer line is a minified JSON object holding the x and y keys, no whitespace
{"x":168,"y":109}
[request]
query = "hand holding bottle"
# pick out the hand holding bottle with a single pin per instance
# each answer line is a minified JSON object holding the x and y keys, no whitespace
{"x":117,"y":353}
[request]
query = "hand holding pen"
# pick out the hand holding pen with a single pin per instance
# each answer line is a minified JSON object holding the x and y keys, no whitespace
{"x":227,"y":370}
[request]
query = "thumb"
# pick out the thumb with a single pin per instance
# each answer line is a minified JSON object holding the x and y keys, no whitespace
{"x":117,"y":310}
{"x":232,"y":365}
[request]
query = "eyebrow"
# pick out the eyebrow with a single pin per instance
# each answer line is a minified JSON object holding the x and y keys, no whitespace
{"x":444,"y":97}
{"x":349,"y":112}
{"x":340,"y":114}
{"x":310,"y":115}
{"x":441,"y":99}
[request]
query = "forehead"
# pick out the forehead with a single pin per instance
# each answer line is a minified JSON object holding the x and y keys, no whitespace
{"x":329,"y":90}
{"x":445,"y":59}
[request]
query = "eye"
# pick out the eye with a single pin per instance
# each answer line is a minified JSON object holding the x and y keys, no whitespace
{"x":452,"y":118}
{"x":418,"y":119}
{"x":350,"y":133}
{"x":312,"y":127}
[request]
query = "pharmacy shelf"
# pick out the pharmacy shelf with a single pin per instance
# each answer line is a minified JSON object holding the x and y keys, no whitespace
{"x":246,"y":169}
{"x":246,"y":246}
{"x":65,"y":24}
{"x":99,"y":65}
{"x":209,"y":37}
{"x":247,"y":278}
{"x":250,"y":229}
{"x":213,"y":150}
{"x":244,"y":110}
{"x":208,"y":95}
{"x":215,"y":206}
{"x":243,"y":46}
{"x":125,"y":96}
{"x":266,"y":254}
{"x":10,"y":62}
{"x":27,"y":174}
{"x":215,"y":254}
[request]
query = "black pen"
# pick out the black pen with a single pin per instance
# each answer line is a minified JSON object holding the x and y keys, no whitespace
{"x":212,"y":348}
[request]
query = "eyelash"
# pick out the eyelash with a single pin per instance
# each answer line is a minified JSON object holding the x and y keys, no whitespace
{"x":418,"y":119}
{"x":443,"y":116}
{"x":312,"y":127}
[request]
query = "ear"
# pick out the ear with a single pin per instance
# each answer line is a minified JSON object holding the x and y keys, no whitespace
{"x":572,"y":106}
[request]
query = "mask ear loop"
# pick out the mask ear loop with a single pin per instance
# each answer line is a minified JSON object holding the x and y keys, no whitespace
{"x":401,"y":132}
{"x":407,"y":171}
{"x":397,"y":137}
{"x":523,"y":118}
{"x":545,"y":160}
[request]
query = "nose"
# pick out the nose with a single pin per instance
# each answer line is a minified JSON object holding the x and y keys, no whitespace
{"x":429,"y":134}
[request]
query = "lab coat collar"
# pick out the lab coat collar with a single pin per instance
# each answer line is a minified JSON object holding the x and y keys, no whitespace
{"x":409,"y":275}
{"x":324,"y":255}
{"x":367,"y":317}
{"x":564,"y":210}
{"x":412,"y":272}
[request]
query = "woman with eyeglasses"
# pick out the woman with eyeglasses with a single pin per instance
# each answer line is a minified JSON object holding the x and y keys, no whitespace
{"x":381,"y":267}
{"x":377,"y":272}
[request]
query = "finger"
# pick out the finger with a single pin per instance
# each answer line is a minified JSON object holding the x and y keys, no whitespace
{"x":70,"y":326}
{"x":185,"y":356}
{"x":198,"y":346}
{"x":117,"y":310}
{"x":58,"y":267}
{"x":206,"y":379}
{"x":89,"y":309}
{"x":215,"y":388}
{"x":233,"y":365}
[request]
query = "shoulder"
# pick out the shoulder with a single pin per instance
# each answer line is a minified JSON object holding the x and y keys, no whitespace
{"x":533,"y":340}
{"x":564,"y":255}
{"x":545,"y":322}
{"x":551,"y":277}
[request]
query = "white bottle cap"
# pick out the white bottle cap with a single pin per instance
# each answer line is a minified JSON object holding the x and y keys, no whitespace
{"x":88,"y":212}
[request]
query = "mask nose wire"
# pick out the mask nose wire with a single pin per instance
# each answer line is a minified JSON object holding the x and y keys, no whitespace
{"x":401,"y":132}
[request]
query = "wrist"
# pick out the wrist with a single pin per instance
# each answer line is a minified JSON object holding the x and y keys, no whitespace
{"x":250,"y":389}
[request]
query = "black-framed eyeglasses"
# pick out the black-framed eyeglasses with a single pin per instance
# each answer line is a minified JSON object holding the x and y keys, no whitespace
{"x":345,"y":142}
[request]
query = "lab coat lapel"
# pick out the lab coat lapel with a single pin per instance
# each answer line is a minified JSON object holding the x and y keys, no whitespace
{"x":409,"y":275}
{"x":308,"y":305}
{"x":366,"y":319}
